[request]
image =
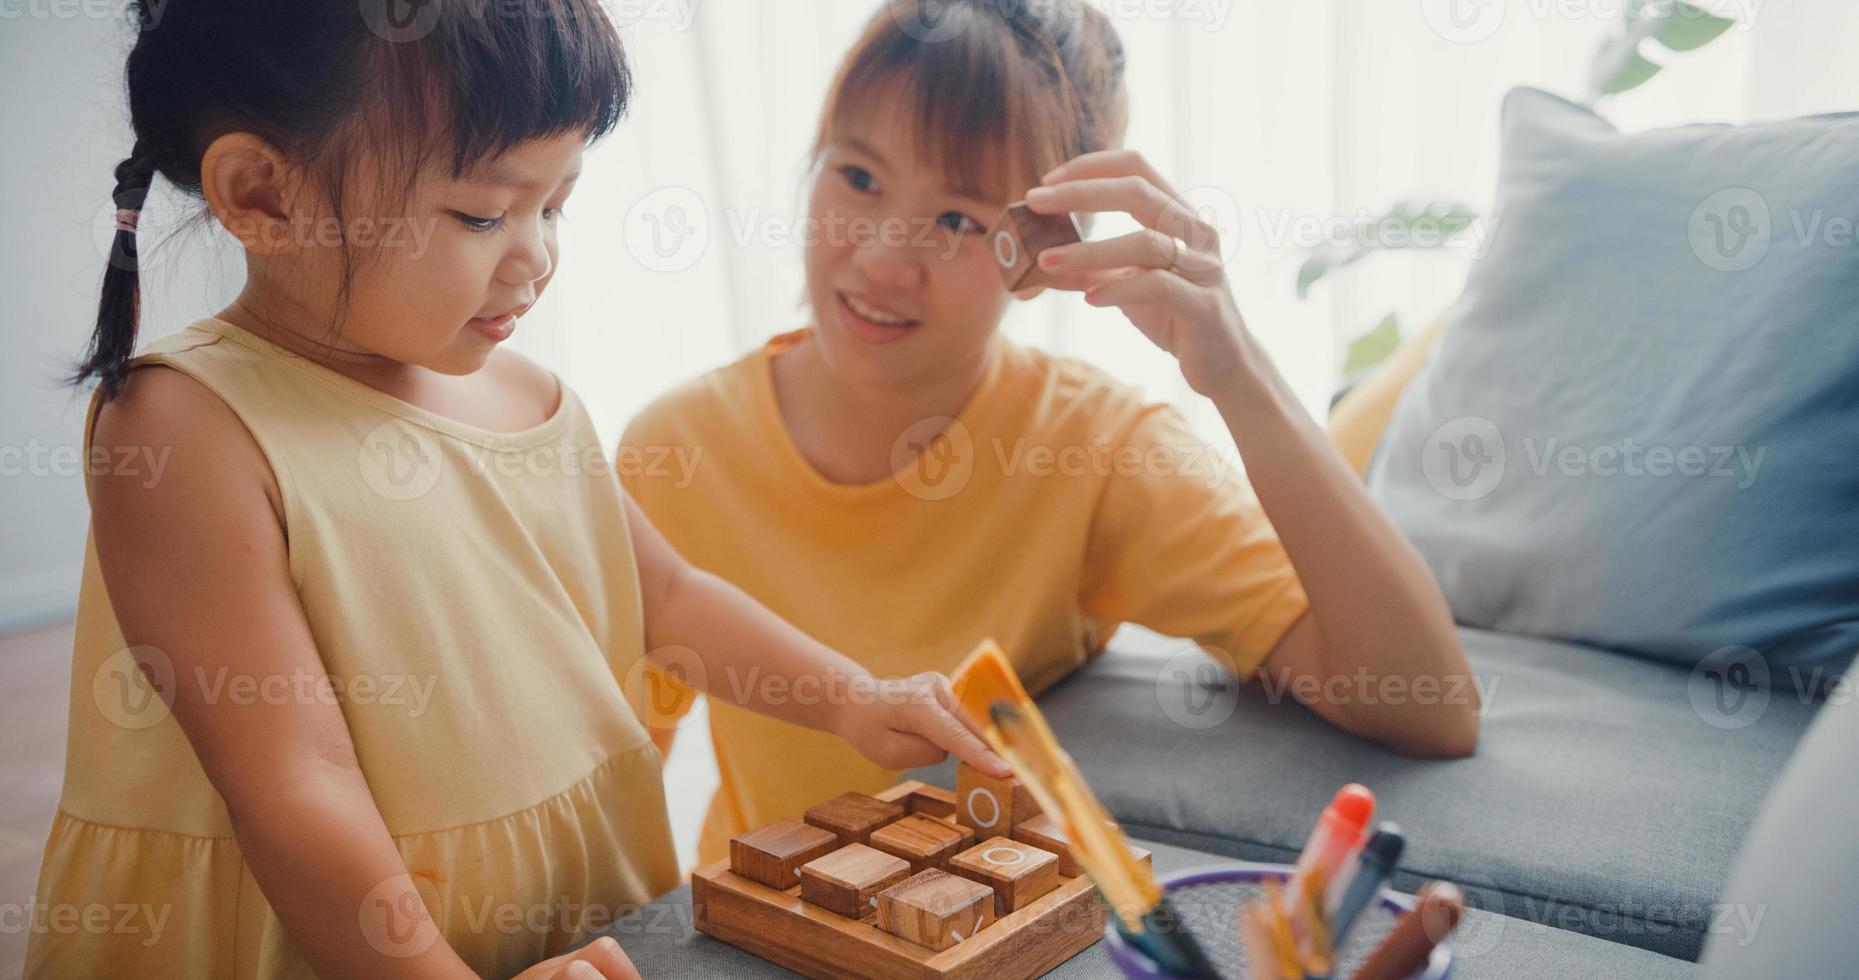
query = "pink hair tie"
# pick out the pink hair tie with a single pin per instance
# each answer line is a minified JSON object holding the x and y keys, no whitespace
{"x":126,"y":219}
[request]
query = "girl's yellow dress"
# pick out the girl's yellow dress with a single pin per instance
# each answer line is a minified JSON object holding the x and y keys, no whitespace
{"x":474,"y":599}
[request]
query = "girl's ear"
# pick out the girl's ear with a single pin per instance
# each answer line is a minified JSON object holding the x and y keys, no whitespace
{"x":1029,"y":293}
{"x":250,"y":187}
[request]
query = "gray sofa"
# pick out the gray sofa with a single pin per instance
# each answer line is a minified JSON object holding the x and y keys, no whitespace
{"x":1602,"y":800}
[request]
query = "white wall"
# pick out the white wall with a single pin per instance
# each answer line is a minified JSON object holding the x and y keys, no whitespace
{"x":65,"y":127}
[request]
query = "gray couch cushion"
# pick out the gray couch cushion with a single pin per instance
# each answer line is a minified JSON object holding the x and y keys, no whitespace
{"x":1625,"y":437}
{"x":662,"y":942}
{"x":1601,"y":800}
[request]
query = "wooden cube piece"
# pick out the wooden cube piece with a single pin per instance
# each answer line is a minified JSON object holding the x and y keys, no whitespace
{"x":1018,"y":873}
{"x":991,"y":805}
{"x":1020,"y":235}
{"x":773,"y":854}
{"x":848,"y":880}
{"x":853,"y":816}
{"x":1043,"y":832}
{"x":925,"y":842}
{"x":936,"y":909}
{"x":931,"y":801}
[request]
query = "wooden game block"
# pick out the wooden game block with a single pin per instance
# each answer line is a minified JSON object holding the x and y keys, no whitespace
{"x":1043,"y":832}
{"x":848,"y":880}
{"x":936,"y":909}
{"x":1018,"y":873}
{"x":925,"y":842}
{"x":991,"y":805}
{"x":773,"y":854}
{"x":853,"y":816}
{"x":933,"y":801}
{"x":1020,"y":235}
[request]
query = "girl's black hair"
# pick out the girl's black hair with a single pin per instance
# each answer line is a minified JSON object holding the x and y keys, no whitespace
{"x":423,"y":83}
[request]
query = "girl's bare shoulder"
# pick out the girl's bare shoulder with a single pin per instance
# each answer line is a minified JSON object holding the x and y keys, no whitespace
{"x":165,"y":426}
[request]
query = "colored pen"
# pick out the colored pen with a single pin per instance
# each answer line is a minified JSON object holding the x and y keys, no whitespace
{"x":1340,"y":829}
{"x":1408,"y":948}
{"x":1353,"y":891}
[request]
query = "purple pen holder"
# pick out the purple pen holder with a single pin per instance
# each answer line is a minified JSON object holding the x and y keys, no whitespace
{"x":1208,"y":900}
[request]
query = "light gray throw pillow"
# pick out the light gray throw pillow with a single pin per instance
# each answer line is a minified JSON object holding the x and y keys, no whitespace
{"x":1640,"y":429}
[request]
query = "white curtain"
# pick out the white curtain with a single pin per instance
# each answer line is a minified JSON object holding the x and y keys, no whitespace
{"x":1289,"y":118}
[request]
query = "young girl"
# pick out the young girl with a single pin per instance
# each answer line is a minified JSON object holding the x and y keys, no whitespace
{"x":901,"y":480}
{"x":348,"y":684}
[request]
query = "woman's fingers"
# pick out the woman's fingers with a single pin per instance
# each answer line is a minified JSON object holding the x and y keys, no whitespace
{"x":1136,"y":196}
{"x":601,"y":959}
{"x":1149,"y":286}
{"x":1110,"y":163}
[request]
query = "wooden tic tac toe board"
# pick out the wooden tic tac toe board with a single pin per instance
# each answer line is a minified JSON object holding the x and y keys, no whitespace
{"x":907,"y":885}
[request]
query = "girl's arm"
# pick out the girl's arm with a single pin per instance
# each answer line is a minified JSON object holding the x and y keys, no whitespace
{"x":747,"y":655}
{"x":196,"y":568}
{"x":1378,"y":622}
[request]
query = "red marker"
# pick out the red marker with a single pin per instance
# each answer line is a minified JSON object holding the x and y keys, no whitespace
{"x":1340,"y":832}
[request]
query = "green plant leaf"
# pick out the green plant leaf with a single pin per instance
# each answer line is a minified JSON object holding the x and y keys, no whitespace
{"x":1632,"y":71}
{"x":1689,"y":27}
{"x":1410,"y":224}
{"x":1623,"y":63}
{"x":1374,"y":347}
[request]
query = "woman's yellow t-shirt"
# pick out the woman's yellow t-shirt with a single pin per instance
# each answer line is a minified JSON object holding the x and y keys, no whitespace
{"x":1055,"y":507}
{"x":474,"y":600}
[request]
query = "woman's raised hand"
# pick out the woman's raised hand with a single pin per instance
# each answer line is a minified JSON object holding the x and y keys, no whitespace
{"x":1168,"y":278}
